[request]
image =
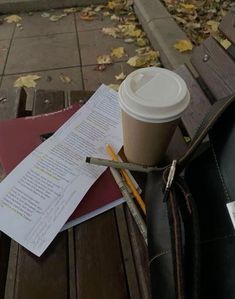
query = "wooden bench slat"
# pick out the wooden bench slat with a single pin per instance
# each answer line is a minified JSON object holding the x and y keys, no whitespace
{"x":12,"y":103}
{"x":216,"y":68}
{"x":99,"y":265}
{"x":227,"y":26}
{"x":47,"y":101}
{"x":199,"y":103}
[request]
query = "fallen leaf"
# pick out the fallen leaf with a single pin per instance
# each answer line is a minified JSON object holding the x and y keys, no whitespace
{"x":115,"y":18}
{"x":121,"y":76}
{"x":106,"y":13}
{"x":99,"y":8}
{"x":114,"y":86}
{"x":100,"y":67}
{"x":115,"y":5}
{"x":45,"y":15}
{"x":26,"y":81}
{"x":129,"y":40}
{"x":183,"y":45}
{"x":142,"y":60}
{"x":13,"y":19}
{"x":104,"y":59}
{"x":142,"y":42}
{"x":188,"y":6}
{"x":71,"y":10}
{"x":130,"y":30}
{"x":65,"y":79}
{"x":118,"y":52}
{"x":225,"y":43}
{"x":112,"y":31}
{"x":213,"y":25}
{"x":87,"y":16}
{"x":56,"y":18}
{"x":86,"y":9}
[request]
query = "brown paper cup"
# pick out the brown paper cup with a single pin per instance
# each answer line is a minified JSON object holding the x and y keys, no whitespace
{"x":152,"y":101}
{"x":146,"y":143}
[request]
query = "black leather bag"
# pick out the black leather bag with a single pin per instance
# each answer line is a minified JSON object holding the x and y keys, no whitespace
{"x":190,"y":233}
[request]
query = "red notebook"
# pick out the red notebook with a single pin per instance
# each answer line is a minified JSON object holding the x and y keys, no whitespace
{"x":20,"y":136}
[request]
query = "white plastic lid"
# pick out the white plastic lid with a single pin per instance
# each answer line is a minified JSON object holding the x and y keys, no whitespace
{"x":154,"y":94}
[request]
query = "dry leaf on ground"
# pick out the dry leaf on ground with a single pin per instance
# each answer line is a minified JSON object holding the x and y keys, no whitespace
{"x":56,"y":18}
{"x":118,"y":52}
{"x":27,"y":81}
{"x":130,"y":30}
{"x":116,"y":5}
{"x":87,"y":15}
{"x":65,"y":79}
{"x":121,"y":76}
{"x":142,"y":42}
{"x":225,"y":43}
{"x":213,"y":25}
{"x":114,"y":86}
{"x":112,"y":31}
{"x":71,"y":10}
{"x":183,"y":45}
{"x":106,"y":13}
{"x":99,"y":8}
{"x":45,"y":15}
{"x":13,"y":19}
{"x":104,"y":59}
{"x":143,"y":60}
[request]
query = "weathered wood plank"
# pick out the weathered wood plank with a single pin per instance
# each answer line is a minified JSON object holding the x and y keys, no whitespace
{"x":12,"y":103}
{"x":99,"y":265}
{"x":227,"y":26}
{"x":216,"y":68}
{"x":199,"y":103}
{"x":129,"y":264}
{"x":47,"y":101}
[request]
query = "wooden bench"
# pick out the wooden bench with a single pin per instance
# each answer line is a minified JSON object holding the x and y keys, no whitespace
{"x":106,"y":257}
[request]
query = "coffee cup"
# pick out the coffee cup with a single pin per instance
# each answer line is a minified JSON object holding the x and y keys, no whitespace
{"x":152,"y":101}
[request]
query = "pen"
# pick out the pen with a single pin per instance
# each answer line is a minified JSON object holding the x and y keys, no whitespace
{"x":132,"y":207}
{"x":119,"y":164}
{"x":130,"y":184}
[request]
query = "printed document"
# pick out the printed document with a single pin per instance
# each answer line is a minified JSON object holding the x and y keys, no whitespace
{"x":40,"y":194}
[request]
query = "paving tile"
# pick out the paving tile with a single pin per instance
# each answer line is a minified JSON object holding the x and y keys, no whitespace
{"x":93,"y":79}
{"x":43,"y":53}
{"x":95,"y":43}
{"x":36,"y":25}
{"x":4,"y":45}
{"x":6,"y":30}
{"x":99,"y":22}
{"x":50,"y":79}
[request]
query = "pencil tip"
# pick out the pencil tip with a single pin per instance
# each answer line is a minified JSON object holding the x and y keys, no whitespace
{"x":88,"y":159}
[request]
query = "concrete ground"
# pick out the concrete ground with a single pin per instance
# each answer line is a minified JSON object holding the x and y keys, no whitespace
{"x":70,"y":46}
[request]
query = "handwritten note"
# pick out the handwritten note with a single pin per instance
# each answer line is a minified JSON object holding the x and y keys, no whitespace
{"x":40,"y":194}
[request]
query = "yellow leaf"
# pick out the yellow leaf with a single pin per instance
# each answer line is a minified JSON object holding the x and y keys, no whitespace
{"x":118,"y":52}
{"x":26,"y":81}
{"x":115,"y":18}
{"x":64,"y":78}
{"x":142,"y":60}
{"x":87,"y":15}
{"x":225,"y":43}
{"x":130,"y":30}
{"x":114,"y":86}
{"x":106,"y":13}
{"x":112,"y":31}
{"x":183,"y":45}
{"x":187,"y":6}
{"x":213,"y":25}
{"x":56,"y":18}
{"x":121,"y":76}
{"x":115,"y":5}
{"x":141,"y":42}
{"x":71,"y":10}
{"x":45,"y":15}
{"x":99,"y":8}
{"x":104,"y":59}
{"x":13,"y":19}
